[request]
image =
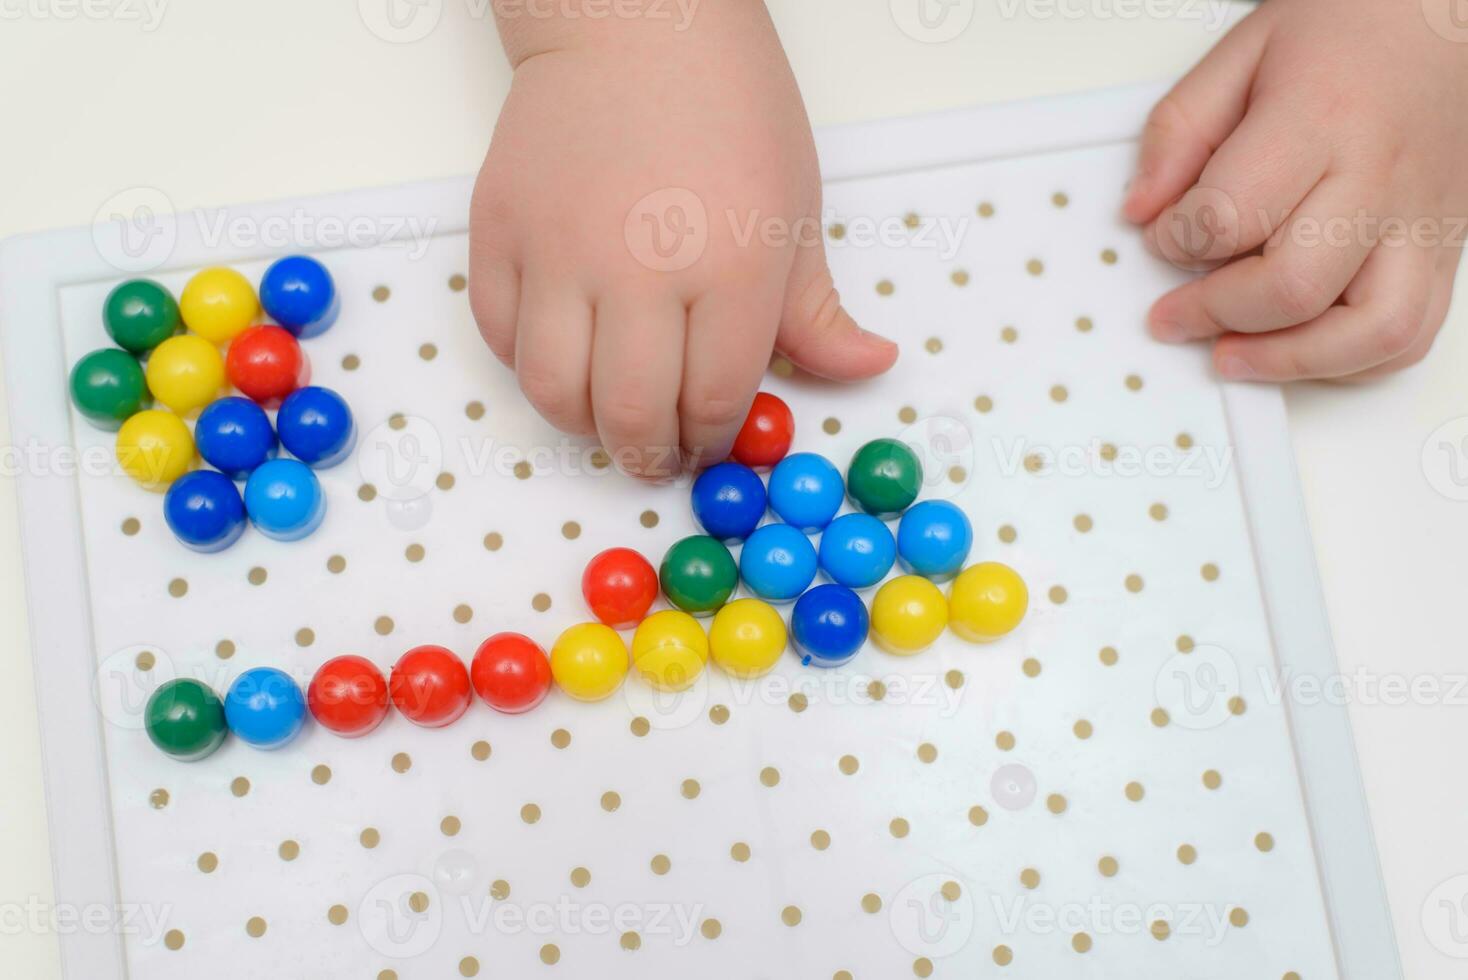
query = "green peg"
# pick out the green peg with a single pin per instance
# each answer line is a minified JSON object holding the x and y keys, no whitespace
{"x":698,"y":575}
{"x":107,"y":387}
{"x":140,"y":314}
{"x":185,"y":719}
{"x":884,"y":478}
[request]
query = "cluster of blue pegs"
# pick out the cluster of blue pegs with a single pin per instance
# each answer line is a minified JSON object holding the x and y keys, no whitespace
{"x":282,"y":496}
{"x":779,"y":561}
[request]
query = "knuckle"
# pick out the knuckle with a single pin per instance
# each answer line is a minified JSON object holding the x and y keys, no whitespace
{"x":628,"y":418}
{"x":1282,"y":362}
{"x":716,"y":409}
{"x":1167,"y":116}
{"x":813,"y":315}
{"x":547,"y":390}
{"x":1298,"y":293}
{"x":497,"y":329}
{"x":818,"y":299}
{"x":1295,"y":364}
{"x":1398,"y":326}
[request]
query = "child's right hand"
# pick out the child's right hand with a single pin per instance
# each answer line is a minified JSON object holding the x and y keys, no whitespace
{"x":611,"y":258}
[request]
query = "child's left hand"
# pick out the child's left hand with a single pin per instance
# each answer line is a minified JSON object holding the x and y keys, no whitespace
{"x":1313,"y":161}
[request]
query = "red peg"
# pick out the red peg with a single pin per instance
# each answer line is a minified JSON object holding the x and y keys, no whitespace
{"x":266,"y":364}
{"x":430,"y":686}
{"x":348,"y":696}
{"x":767,"y":433}
{"x":620,"y":586}
{"x":511,"y":673}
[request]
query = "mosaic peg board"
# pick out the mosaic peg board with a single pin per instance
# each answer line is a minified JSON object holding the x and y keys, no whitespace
{"x":1107,"y":792}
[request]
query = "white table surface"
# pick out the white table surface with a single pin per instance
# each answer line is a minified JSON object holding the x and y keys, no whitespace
{"x":215,"y":103}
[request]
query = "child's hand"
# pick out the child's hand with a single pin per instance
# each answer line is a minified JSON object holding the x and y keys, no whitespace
{"x":1331,"y":133}
{"x":565,"y":283}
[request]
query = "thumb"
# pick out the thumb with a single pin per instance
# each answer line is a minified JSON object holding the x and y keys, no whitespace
{"x":1194,"y":119}
{"x":817,"y":334}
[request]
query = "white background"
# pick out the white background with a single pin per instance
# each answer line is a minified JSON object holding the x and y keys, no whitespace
{"x":223,"y":103}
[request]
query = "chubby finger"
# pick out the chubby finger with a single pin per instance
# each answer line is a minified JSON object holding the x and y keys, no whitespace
{"x":1437,"y":311}
{"x":1385,"y":323}
{"x":1251,"y":184}
{"x":494,"y":297}
{"x":553,"y":352}
{"x":731,"y":331}
{"x":1298,"y":276}
{"x":817,"y":334}
{"x":1194,"y":119}
{"x":636,"y":373}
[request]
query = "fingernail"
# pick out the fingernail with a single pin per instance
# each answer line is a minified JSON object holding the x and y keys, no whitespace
{"x":1133,"y":191}
{"x":884,"y":341}
{"x":1235,"y":368}
{"x":1164,"y":328}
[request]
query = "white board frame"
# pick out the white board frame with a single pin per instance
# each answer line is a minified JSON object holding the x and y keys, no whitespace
{"x":33,"y":269}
